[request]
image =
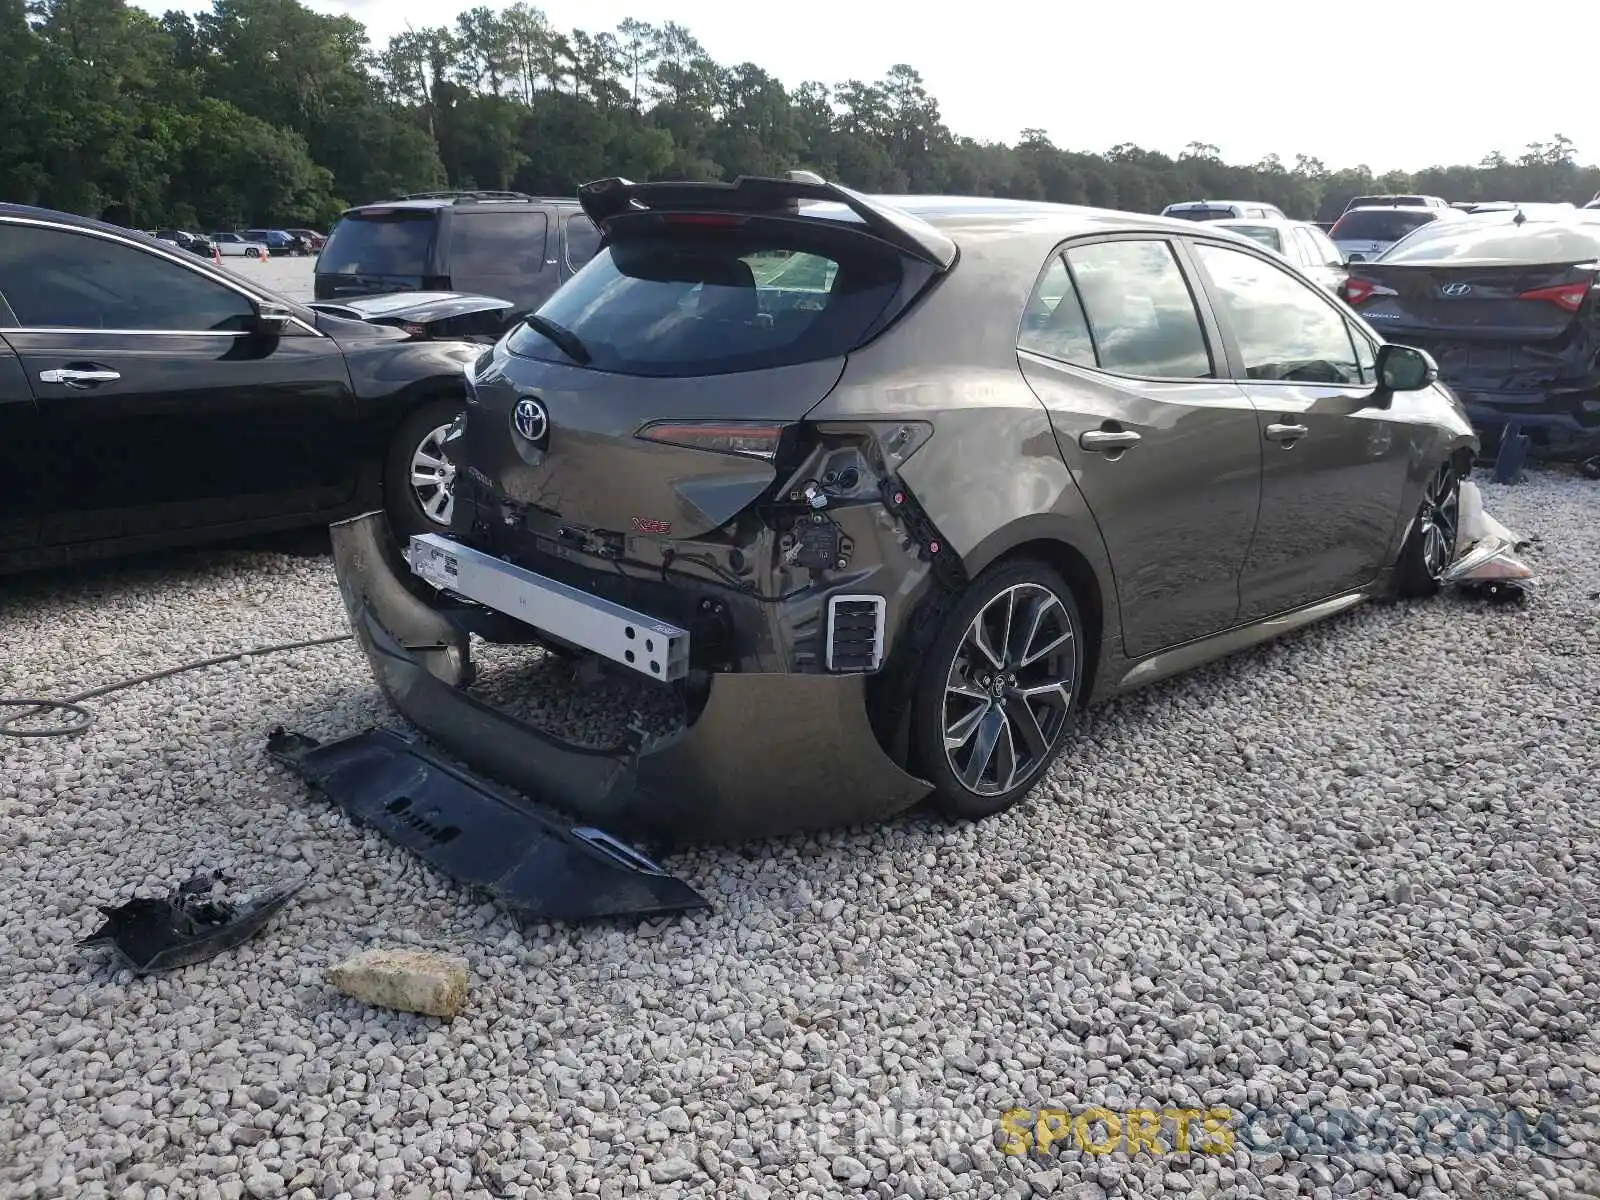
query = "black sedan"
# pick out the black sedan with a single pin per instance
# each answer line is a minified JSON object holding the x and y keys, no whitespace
{"x":1508,"y":304}
{"x":150,"y":399}
{"x":185,"y":240}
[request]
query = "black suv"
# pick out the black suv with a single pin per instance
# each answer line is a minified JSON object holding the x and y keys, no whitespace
{"x":504,"y":244}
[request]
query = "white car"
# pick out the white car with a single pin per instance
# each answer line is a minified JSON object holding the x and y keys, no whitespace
{"x":1301,"y":242}
{"x":233,"y":245}
{"x":1224,"y":210}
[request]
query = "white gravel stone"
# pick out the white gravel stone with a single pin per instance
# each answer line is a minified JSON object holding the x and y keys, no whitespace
{"x":1358,"y":869}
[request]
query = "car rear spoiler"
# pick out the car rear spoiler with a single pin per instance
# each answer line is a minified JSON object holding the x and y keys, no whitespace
{"x":604,"y":199}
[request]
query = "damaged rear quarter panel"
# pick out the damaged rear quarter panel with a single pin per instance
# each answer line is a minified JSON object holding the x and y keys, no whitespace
{"x":991,"y":478}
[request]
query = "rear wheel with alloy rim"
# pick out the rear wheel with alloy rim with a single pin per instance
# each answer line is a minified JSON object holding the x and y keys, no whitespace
{"x":1431,"y":546}
{"x":998,"y":689}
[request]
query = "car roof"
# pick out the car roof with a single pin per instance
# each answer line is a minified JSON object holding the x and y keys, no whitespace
{"x":1401,"y":208}
{"x":34,"y":213}
{"x":439,"y":203}
{"x":958,"y":215}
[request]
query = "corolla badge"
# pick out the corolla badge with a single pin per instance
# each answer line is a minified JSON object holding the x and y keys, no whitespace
{"x":1456,"y":289}
{"x":530,"y":419}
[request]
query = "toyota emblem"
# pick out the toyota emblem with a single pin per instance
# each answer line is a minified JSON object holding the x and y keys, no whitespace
{"x":530,"y":419}
{"x":1456,"y":289}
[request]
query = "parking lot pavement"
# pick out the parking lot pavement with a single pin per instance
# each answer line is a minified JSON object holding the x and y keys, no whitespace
{"x":291,"y":277}
{"x":1356,"y":869}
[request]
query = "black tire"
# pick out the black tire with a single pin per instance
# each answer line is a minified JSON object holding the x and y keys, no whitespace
{"x":408,"y":511}
{"x":953,"y":660}
{"x":1431,"y":545}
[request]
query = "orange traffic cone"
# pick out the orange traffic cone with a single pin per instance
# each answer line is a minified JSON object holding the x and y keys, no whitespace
{"x":216,"y":255}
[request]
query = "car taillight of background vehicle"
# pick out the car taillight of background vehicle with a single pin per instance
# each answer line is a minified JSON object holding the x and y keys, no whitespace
{"x":1357,"y":291}
{"x":753,"y":439}
{"x":1569,"y":296}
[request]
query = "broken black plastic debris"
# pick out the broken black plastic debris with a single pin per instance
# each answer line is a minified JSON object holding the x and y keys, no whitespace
{"x":530,"y":860}
{"x":188,"y":926}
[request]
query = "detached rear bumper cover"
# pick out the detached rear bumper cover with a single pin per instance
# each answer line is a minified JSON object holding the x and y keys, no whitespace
{"x":479,"y":836}
{"x":769,"y":754}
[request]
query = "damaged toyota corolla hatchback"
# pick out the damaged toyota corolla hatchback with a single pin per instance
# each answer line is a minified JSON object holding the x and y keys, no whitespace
{"x":883,"y":490}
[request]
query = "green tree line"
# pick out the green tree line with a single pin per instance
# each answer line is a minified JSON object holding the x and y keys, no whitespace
{"x":263,"y":111}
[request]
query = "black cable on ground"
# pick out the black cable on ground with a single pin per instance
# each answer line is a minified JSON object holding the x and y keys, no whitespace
{"x":82,"y":718}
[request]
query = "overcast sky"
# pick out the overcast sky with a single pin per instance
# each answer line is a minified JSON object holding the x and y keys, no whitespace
{"x":1401,"y":86}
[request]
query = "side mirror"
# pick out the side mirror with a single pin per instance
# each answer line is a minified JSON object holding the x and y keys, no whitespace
{"x":1357,"y":257}
{"x":271,"y":319}
{"x":1405,"y":368}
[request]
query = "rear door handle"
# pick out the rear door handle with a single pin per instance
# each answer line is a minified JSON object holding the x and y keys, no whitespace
{"x":1108,"y":439}
{"x":1286,"y":433}
{"x":75,"y":377}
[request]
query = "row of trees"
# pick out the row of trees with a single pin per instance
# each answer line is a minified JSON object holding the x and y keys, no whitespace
{"x":265,"y":111}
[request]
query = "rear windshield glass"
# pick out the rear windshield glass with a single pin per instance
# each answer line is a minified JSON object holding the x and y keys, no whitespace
{"x":1202,"y":214}
{"x":1379,"y":226}
{"x":1267,"y":235}
{"x":1503,"y":244}
{"x":713,"y":304}
{"x":395,"y":243}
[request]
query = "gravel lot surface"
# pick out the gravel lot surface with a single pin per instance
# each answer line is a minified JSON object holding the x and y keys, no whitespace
{"x":1355,"y":870}
{"x":291,"y":277}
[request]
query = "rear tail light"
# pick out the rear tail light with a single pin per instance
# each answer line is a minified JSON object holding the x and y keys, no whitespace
{"x":1568,"y":296}
{"x":1357,"y":291}
{"x":753,"y":439}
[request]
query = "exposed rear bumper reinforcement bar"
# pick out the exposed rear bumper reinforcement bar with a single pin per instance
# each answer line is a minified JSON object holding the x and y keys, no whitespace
{"x":769,"y":754}
{"x":478,"y":835}
{"x":632,"y":639}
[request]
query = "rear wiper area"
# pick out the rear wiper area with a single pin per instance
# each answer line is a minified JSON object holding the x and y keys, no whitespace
{"x":569,"y":343}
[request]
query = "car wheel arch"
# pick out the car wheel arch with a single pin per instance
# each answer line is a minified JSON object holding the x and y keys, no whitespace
{"x":1459,"y":451}
{"x":1043,"y":538}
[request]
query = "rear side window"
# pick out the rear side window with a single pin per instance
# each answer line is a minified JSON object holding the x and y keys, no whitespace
{"x":490,"y":244}
{"x":1380,"y":226}
{"x":1054,"y":324}
{"x":1140,"y":310}
{"x":583,"y":239}
{"x":665,"y":304}
{"x":1327,"y":253}
{"x":397,"y":242}
{"x":1310,"y":253}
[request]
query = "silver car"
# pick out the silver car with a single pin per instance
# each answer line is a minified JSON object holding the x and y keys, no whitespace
{"x":1364,"y":233}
